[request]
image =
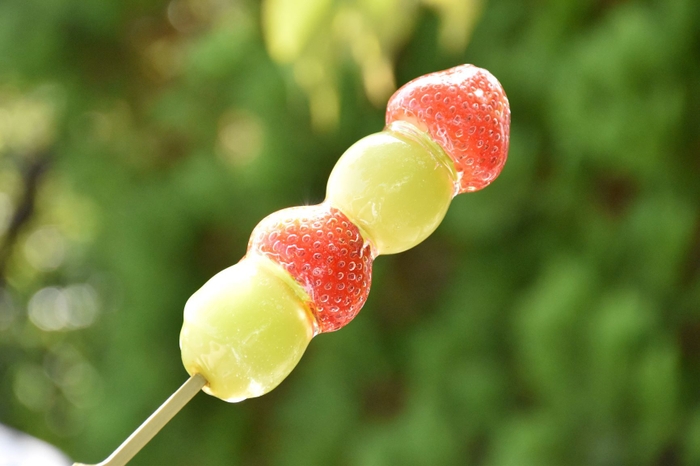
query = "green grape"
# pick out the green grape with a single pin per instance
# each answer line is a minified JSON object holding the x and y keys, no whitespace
{"x":246,"y":329}
{"x":395,"y":186}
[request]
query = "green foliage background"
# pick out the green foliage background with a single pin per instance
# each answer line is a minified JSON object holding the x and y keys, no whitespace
{"x":553,"y":319}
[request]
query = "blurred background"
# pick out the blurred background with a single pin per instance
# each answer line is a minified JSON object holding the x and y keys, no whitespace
{"x":552,"y":319}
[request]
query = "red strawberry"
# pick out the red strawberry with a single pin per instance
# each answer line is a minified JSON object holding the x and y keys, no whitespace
{"x":466,"y":111}
{"x":325,"y":253}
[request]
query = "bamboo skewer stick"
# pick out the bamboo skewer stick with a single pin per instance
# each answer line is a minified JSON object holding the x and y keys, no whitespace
{"x":151,"y":426}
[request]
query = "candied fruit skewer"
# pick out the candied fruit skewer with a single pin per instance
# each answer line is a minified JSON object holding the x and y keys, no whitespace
{"x":307,"y":270}
{"x":245,"y":329}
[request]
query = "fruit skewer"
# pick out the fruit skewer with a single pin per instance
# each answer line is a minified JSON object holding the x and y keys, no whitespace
{"x":308,"y":269}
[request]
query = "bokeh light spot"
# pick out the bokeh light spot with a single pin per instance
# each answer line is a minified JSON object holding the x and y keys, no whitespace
{"x":54,"y":309}
{"x":32,"y":387}
{"x":83,"y":305}
{"x":240,"y":137}
{"x":45,"y":248}
{"x":48,"y":309}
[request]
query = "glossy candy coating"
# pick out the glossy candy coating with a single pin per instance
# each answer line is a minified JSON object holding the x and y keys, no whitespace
{"x":465,"y":111}
{"x":245,"y":329}
{"x":394,"y":187}
{"x":325,"y":253}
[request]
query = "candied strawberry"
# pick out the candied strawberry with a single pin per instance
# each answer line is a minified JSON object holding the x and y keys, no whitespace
{"x":326,"y":254}
{"x":466,"y":111}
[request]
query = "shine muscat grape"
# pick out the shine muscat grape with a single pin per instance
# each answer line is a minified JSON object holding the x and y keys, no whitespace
{"x":308,"y":269}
